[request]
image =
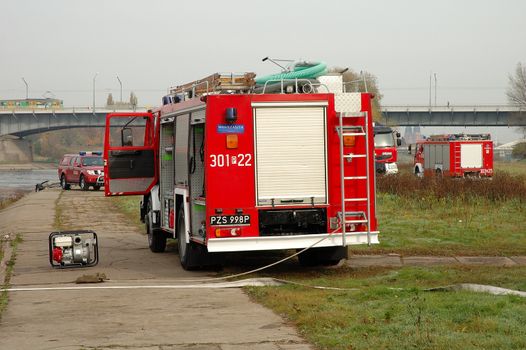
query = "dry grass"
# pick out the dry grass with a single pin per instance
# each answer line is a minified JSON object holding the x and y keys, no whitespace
{"x":8,"y":272}
{"x":502,"y":187}
{"x":10,"y":198}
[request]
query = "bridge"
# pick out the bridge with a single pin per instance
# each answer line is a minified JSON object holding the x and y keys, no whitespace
{"x":454,"y":115}
{"x":24,"y":122}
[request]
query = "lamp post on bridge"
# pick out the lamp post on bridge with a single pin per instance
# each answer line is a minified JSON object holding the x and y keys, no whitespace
{"x":435,"y":89}
{"x":27,"y":88}
{"x":94,"y":77}
{"x":120,"y":82}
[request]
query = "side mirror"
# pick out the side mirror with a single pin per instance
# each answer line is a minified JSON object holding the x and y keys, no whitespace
{"x":397,"y":134}
{"x":398,"y":142}
{"x":126,"y":137}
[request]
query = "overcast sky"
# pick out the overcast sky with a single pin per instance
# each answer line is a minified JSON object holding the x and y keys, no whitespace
{"x":59,"y":45}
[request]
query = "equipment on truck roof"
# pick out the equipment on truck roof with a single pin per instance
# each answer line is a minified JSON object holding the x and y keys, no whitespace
{"x":459,"y":137}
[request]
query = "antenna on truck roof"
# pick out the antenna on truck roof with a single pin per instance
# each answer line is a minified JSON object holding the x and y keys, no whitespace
{"x":276,"y":60}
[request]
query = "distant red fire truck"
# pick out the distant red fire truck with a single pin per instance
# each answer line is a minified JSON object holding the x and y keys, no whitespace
{"x":386,"y":141}
{"x":225,"y":166}
{"x":457,"y":155}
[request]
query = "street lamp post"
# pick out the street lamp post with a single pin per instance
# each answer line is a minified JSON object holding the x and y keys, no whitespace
{"x":435,"y":89}
{"x":27,"y":88}
{"x":429,"y":89}
{"x":120,"y":82}
{"x":94,"y":77}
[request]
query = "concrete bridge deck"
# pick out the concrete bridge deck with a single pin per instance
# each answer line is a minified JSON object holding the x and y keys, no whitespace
{"x":454,"y":115}
{"x":23,"y":122}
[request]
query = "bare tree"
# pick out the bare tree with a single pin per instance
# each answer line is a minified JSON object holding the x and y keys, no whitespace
{"x":517,"y":90}
{"x":517,"y":95}
{"x":361,"y":82}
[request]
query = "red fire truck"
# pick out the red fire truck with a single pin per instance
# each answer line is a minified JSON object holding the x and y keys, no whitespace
{"x":385,"y":153}
{"x":457,"y":155}
{"x":225,"y":166}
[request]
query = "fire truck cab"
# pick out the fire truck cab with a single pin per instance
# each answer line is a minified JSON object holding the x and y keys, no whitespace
{"x":225,"y":166}
{"x":456,"y":155}
{"x":386,"y":141}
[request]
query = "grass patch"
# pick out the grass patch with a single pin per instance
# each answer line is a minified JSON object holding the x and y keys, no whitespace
{"x":130,"y":207}
{"x":501,"y":187}
{"x":446,"y":216}
{"x":449,"y":226}
{"x":514,"y":167}
{"x":5,"y":202}
{"x":391,"y":311}
{"x":9,"y":271}
{"x":59,"y":221}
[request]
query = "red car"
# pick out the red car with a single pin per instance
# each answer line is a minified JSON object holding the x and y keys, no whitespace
{"x":85,"y":169}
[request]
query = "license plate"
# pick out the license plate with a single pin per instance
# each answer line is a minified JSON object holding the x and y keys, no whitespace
{"x":226,"y":220}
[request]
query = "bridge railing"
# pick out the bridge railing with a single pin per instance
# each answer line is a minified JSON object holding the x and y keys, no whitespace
{"x":11,"y":109}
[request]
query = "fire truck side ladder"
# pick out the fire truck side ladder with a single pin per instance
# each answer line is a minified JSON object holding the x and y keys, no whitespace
{"x":360,"y":217}
{"x":456,"y":155}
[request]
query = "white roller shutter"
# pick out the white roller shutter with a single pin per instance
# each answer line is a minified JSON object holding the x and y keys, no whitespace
{"x":471,"y":155}
{"x":291,"y":164}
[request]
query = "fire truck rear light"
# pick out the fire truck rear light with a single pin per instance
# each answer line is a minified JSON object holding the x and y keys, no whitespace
{"x":228,"y":232}
{"x":349,"y":141}
{"x":231,"y":141}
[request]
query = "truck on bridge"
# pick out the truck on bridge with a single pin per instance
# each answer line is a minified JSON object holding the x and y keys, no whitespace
{"x":225,"y":166}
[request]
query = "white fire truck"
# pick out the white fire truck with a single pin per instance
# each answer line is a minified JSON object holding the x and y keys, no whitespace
{"x":224,"y":165}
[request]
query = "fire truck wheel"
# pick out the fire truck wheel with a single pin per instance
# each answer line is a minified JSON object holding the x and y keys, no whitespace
{"x":63,"y":183}
{"x":156,"y":238}
{"x":96,"y":188}
{"x":82,"y":183}
{"x":184,"y":248}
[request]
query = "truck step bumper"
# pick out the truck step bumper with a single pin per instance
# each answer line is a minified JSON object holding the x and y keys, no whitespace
{"x":237,"y":244}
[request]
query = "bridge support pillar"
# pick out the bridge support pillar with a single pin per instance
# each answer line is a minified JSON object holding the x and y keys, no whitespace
{"x":15,"y":150}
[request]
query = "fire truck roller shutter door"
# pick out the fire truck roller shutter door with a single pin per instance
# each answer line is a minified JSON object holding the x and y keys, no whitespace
{"x":291,"y":161}
{"x":471,"y":155}
{"x":181,"y":149}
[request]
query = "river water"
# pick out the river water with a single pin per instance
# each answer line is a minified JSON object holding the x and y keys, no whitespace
{"x":12,"y":181}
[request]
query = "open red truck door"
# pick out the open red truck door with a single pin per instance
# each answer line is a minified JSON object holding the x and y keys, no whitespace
{"x":129,"y":154}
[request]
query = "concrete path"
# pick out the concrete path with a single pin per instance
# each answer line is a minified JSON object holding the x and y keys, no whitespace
{"x":393,"y":260}
{"x":219,"y":319}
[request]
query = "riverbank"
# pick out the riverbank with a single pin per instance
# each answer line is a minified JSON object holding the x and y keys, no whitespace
{"x":18,"y":179}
